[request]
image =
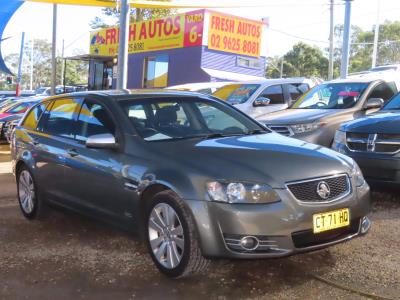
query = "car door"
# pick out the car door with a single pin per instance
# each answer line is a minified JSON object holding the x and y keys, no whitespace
{"x":55,"y":132}
{"x":94,"y":176}
{"x":277,"y":100}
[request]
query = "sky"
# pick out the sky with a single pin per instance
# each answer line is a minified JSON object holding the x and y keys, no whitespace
{"x":291,"y":21}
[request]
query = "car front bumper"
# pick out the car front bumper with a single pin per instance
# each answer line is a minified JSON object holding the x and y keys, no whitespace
{"x":379,"y":169}
{"x":282,"y":228}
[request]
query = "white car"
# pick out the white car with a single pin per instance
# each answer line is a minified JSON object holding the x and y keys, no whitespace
{"x":256,"y":98}
{"x":200,"y":87}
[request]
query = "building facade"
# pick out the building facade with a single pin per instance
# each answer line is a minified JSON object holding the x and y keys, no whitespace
{"x":197,"y":46}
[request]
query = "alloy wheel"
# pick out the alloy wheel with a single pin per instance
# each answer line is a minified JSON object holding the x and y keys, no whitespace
{"x":26,"y":192}
{"x":166,"y":235}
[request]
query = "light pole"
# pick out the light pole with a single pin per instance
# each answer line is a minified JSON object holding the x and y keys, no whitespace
{"x":346,"y":40}
{"x":375,"y":51}
{"x":53,"y":52}
{"x":331,"y":35}
{"x":123,"y":46}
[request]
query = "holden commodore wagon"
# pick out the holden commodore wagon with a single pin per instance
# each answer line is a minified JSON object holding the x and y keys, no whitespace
{"x":197,"y":178}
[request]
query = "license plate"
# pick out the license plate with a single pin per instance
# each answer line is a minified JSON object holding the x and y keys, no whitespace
{"x":331,"y":220}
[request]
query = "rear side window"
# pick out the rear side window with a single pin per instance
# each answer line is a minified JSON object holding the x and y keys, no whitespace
{"x":60,"y":118}
{"x":383,"y":91}
{"x":274,"y":93}
{"x":32,"y":120}
{"x":93,"y":119}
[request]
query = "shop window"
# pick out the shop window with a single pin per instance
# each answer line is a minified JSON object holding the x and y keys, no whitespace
{"x":155,"y":71}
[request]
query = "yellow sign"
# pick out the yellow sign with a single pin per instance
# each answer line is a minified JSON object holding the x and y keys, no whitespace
{"x":234,"y":34}
{"x":331,"y":220}
{"x":183,"y":30}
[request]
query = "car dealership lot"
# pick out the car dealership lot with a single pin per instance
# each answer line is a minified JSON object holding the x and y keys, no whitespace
{"x":80,"y":258}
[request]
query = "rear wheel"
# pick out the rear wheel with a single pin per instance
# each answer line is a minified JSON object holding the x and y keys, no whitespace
{"x":172,"y":238}
{"x":30,"y":204}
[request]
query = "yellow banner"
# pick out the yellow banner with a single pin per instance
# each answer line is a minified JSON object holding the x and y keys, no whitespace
{"x":183,"y":30}
{"x":234,"y":34}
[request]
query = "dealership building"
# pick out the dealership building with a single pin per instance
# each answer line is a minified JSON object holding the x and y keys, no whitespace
{"x":197,"y":46}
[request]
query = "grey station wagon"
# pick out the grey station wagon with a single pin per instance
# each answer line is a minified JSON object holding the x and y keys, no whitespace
{"x":196,"y":177}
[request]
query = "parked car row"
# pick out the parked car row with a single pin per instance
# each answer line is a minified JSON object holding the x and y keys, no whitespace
{"x":200,"y":178}
{"x":12,"y":111}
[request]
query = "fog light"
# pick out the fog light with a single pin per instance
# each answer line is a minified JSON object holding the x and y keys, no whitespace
{"x":249,"y":243}
{"x":365,"y":225}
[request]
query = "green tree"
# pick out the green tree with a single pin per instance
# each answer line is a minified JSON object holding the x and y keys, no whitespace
{"x":302,"y":60}
{"x":137,"y":14}
{"x":76,"y":72}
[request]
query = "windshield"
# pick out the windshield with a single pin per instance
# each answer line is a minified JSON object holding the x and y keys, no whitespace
{"x":393,"y":104}
{"x":166,"y":119}
{"x":332,"y":96}
{"x":19,"y":108}
{"x":236,"y":93}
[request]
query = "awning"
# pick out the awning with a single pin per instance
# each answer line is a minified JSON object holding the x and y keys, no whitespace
{"x":7,"y":9}
{"x":88,"y":57}
{"x":230,"y":76}
{"x":159,"y":4}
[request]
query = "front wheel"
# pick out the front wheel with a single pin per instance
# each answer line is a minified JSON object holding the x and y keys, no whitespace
{"x":172,"y":238}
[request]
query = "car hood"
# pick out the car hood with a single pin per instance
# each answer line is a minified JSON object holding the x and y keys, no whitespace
{"x":297,"y":116}
{"x":380,"y":122}
{"x":267,"y":158}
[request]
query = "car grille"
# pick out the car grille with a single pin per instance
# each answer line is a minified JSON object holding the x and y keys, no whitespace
{"x":306,"y":238}
{"x":374,"y":142}
{"x":281,"y":129}
{"x":307,"y":191}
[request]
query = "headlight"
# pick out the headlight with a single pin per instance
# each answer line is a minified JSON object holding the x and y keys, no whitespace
{"x":307,"y":127}
{"x":358,"y":176}
{"x":239,"y":192}
{"x":340,"y":137}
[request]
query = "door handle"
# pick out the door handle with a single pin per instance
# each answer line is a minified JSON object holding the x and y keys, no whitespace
{"x":72,"y":152}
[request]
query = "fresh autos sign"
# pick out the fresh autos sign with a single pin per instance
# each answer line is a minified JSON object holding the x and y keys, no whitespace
{"x":234,"y":34}
{"x":183,"y":30}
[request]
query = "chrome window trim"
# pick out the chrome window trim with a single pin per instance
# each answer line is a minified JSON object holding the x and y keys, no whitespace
{"x":348,"y":192}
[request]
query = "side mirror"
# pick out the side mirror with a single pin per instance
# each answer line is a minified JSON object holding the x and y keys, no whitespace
{"x":101,"y":141}
{"x":374,"y":103}
{"x":261,"y":101}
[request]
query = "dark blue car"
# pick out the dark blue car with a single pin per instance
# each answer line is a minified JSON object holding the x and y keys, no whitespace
{"x":374,"y":142}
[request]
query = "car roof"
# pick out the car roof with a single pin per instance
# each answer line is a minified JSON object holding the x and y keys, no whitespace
{"x":200,"y":85}
{"x":125,"y":94}
{"x":359,"y":79}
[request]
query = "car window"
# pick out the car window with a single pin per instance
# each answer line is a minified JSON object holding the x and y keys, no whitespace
{"x":297,"y":89}
{"x":274,"y":93}
{"x":336,"y":95}
{"x":93,"y":119}
{"x":60,"y":118}
{"x":383,"y":91}
{"x":32,"y":119}
{"x":185,"y":118}
{"x":236,"y":93}
{"x":393,"y":104}
{"x":19,"y":108}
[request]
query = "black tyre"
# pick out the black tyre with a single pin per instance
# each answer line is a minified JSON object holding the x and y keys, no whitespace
{"x":172,"y":238}
{"x":31,"y":206}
